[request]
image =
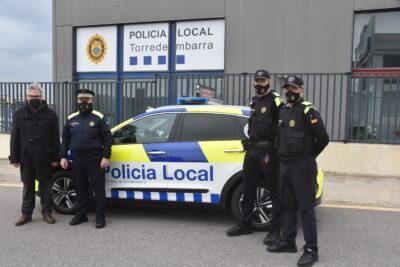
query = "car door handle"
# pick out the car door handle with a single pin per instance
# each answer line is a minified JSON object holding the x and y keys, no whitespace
{"x":234,"y":150}
{"x":156,"y":153}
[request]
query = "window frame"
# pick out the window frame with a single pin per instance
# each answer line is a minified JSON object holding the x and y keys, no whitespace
{"x":170,"y":138}
{"x":236,"y":124}
{"x":372,"y":69}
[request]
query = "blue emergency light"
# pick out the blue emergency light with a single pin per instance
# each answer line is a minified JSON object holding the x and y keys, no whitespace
{"x":184,"y":100}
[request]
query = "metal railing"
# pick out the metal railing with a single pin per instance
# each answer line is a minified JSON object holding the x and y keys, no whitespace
{"x":354,"y":108}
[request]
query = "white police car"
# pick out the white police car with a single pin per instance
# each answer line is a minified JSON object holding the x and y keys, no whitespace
{"x":182,"y":153}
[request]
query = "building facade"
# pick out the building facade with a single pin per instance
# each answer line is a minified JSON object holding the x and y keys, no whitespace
{"x":132,"y":42}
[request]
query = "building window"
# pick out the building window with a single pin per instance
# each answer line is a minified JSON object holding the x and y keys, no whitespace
{"x":376,"y":40}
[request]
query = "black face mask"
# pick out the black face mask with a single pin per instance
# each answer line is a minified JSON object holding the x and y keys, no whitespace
{"x":260,"y":90}
{"x":85,"y":107}
{"x":35,"y":103}
{"x":292,"y":97}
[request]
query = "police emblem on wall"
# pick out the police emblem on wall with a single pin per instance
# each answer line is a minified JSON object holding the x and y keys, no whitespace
{"x":96,"y":48}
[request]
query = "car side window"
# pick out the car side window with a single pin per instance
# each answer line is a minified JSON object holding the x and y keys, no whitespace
{"x":209,"y":127}
{"x":244,"y":125}
{"x":152,"y":129}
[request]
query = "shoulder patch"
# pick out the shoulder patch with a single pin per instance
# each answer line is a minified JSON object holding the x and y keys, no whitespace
{"x":278,"y":99}
{"x":98,"y":114}
{"x":307,"y":106}
{"x":73,"y":115}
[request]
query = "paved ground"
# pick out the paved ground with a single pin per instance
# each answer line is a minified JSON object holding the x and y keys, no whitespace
{"x":363,"y":231}
{"x":181,"y":237}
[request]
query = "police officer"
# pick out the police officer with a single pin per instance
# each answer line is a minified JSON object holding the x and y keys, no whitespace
{"x":302,"y":137}
{"x":35,"y":147}
{"x":87,"y":135}
{"x":261,"y":161}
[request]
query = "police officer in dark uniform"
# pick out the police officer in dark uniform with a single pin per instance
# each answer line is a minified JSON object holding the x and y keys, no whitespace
{"x":302,"y":137}
{"x":261,"y":161}
{"x":87,"y":135}
{"x":35,"y":148}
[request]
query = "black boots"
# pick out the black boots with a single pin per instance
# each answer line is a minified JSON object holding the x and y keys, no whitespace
{"x":100,"y":222}
{"x":239,"y":230}
{"x":309,"y":257}
{"x":78,"y":220}
{"x":283,"y":246}
{"x":273,"y":237}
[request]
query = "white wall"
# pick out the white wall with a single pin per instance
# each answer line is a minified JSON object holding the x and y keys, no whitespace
{"x":4,"y":146}
{"x":361,"y":159}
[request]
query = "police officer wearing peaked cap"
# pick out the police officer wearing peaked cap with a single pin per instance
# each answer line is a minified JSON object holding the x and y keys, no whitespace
{"x":261,"y":161}
{"x":87,"y":135}
{"x":302,"y":137}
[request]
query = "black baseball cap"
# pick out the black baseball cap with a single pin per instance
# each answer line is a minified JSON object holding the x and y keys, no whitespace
{"x":262,"y":74}
{"x":293,"y":80}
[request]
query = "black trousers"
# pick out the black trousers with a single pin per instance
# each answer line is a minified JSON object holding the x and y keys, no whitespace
{"x":88,"y":175}
{"x":30,"y":172}
{"x":261,"y":167}
{"x":298,"y":193}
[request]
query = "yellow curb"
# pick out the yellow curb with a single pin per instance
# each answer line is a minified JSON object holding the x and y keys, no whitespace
{"x":11,"y":184}
{"x":359,"y":207}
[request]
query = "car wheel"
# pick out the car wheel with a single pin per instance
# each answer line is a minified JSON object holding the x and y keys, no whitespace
{"x":63,"y":193}
{"x":262,"y":211}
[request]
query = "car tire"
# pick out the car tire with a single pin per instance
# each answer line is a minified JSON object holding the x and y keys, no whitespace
{"x":262,"y":207}
{"x":63,"y":193}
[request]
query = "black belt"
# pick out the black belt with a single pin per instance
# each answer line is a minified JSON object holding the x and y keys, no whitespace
{"x":293,"y":159}
{"x":248,"y":144}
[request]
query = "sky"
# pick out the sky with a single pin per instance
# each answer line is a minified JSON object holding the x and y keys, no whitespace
{"x":25,"y":40}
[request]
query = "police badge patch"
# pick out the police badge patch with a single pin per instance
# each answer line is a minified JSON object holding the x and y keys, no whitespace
{"x":91,"y":123}
{"x":263,"y":109}
{"x":292,"y":123}
{"x":96,"y":48}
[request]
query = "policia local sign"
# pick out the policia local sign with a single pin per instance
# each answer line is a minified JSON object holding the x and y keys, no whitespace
{"x":199,"y":45}
{"x":146,"y":47}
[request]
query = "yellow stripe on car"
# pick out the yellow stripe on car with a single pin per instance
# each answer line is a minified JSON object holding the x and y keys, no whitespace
{"x":129,"y":153}
{"x":215,"y":109}
{"x":222,"y":151}
{"x":121,"y":125}
{"x":320,"y":182}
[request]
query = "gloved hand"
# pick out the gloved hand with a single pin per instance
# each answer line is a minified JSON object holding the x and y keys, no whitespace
{"x":246,"y":143}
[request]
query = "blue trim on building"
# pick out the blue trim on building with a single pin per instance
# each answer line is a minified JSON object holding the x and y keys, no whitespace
{"x":172,"y":94}
{"x":120,"y":66}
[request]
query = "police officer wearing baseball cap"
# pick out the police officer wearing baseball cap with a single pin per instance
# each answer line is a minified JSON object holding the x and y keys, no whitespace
{"x":302,"y":137}
{"x":87,"y":135}
{"x":261,"y":161}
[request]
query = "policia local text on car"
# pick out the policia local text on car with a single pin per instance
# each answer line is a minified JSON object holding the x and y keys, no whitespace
{"x":302,"y":137}
{"x":87,"y":136}
{"x":261,"y":163}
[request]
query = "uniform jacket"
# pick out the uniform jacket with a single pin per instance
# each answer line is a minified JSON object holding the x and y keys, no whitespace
{"x":301,"y":131}
{"x":87,"y":136}
{"x":264,"y":116}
